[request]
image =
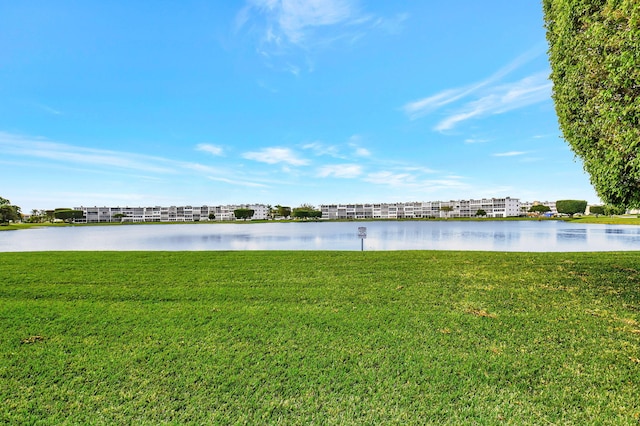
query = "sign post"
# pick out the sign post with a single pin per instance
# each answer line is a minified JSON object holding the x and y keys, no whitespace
{"x":362,"y":234}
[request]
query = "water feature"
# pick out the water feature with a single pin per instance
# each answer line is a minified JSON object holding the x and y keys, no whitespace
{"x":533,"y":236}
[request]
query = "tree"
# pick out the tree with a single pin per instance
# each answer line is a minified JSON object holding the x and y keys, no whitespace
{"x":36,"y":216}
{"x":306,"y":211}
{"x":571,"y":207}
{"x":481,"y":212}
{"x":597,"y":210}
{"x":68,"y":215}
{"x":283,"y":211}
{"x":595,"y":69}
{"x":446,"y":210}
{"x":243,"y":213}
{"x":119,"y":216}
{"x":212,"y":216}
{"x":613,"y":210}
{"x":8,"y":212}
{"x":539,"y":209}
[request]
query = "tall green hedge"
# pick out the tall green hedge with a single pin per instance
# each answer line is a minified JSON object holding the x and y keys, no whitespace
{"x":594,"y":50}
{"x":571,"y":207}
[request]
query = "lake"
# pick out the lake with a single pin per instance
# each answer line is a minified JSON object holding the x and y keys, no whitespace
{"x":528,"y":236}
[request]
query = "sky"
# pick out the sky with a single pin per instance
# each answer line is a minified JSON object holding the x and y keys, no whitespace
{"x":193,"y":102}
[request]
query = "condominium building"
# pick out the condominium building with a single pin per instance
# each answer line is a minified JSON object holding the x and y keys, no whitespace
{"x":492,"y":207}
{"x":167,"y":214}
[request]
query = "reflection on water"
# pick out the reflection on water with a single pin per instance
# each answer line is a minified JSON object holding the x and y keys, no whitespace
{"x":416,"y":235}
{"x":572,"y":234}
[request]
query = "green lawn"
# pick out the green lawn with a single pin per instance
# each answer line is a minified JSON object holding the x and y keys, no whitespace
{"x":319,"y":338}
{"x":609,"y":220}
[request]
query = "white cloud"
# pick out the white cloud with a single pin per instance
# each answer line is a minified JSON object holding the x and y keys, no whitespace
{"x":292,"y":21}
{"x":510,"y":154}
{"x":211,"y":149}
{"x":392,"y":25}
{"x":340,"y":171}
{"x":200,"y":168}
{"x":48,"y":109}
{"x":105,"y":161}
{"x":473,"y":140}
{"x":276,"y":155}
{"x":424,"y":106}
{"x":390,"y":178}
{"x":286,"y":26}
{"x":486,"y":97}
{"x":362,"y":152}
{"x":412,"y":181}
{"x":358,"y":151}
{"x":500,"y":99}
{"x":45,"y":149}
{"x":296,"y":17}
{"x":419,"y":169}
{"x":320,"y":148}
{"x":336,"y":151}
{"x":238,"y":182}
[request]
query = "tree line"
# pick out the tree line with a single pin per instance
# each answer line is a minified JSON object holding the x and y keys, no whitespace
{"x":573,"y":207}
{"x":305,"y":211}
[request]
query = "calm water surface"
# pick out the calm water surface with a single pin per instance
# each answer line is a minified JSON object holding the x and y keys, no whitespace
{"x":419,"y":235}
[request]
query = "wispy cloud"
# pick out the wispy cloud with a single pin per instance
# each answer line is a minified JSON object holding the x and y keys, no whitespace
{"x":48,"y":109}
{"x":238,"y":182}
{"x":503,"y":98}
{"x":474,"y":140}
{"x":276,"y":155}
{"x":340,"y":171}
{"x":358,"y":150}
{"x":83,"y":160}
{"x":44,"y":149}
{"x":421,"y":107}
{"x":510,"y":153}
{"x":211,"y":149}
{"x":415,"y":169}
{"x":390,"y":178}
{"x":284,"y":26}
{"x":351,"y":149}
{"x":292,"y":21}
{"x":412,"y":181}
{"x":319,"y":149}
{"x":486,"y":97}
{"x":362,"y":152}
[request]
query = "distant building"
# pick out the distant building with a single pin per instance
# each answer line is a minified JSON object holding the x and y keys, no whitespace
{"x":493,"y":207}
{"x":167,"y":214}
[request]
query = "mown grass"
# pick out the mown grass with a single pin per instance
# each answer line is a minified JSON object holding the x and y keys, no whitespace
{"x":319,"y":338}
{"x":608,"y":220}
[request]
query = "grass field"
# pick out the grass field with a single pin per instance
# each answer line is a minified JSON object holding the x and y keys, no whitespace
{"x":319,"y":338}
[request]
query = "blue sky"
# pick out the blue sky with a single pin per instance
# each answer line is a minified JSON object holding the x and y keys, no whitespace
{"x":277,"y":102}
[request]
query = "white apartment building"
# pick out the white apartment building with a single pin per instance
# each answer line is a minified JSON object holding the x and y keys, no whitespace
{"x":167,"y":214}
{"x":493,"y":207}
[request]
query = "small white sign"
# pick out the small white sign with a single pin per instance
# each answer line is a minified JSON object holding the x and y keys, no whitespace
{"x":362,"y":232}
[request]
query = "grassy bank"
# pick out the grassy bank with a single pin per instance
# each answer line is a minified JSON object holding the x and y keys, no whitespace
{"x":608,"y":220}
{"x":320,"y":338}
